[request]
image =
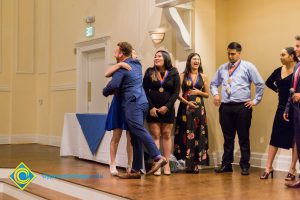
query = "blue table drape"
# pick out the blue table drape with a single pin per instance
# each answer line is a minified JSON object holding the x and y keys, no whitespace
{"x":93,"y":128}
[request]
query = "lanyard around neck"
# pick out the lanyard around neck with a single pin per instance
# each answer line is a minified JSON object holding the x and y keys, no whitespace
{"x":162,"y":79}
{"x":296,"y":77}
{"x":231,"y":71}
{"x":194,"y":83}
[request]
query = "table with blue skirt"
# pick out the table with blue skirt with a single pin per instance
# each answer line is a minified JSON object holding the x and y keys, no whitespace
{"x":84,"y":137}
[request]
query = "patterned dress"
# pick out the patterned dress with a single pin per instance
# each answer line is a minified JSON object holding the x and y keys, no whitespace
{"x":191,"y":134}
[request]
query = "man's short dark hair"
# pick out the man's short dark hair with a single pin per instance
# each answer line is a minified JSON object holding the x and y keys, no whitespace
{"x":125,"y":48}
{"x":297,"y":37}
{"x":235,"y":45}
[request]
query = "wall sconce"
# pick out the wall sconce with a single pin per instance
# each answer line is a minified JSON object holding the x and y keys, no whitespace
{"x":157,"y":36}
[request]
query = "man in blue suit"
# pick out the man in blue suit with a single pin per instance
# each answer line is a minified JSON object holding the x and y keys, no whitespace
{"x":135,"y":106}
{"x":294,"y":105}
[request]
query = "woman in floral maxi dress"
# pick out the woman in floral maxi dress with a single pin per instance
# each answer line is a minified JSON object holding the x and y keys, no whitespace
{"x":191,"y":134}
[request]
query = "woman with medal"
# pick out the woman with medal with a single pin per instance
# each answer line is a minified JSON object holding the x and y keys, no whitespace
{"x":282,"y":132}
{"x":162,"y":85}
{"x":115,"y":121}
{"x":191,"y":134}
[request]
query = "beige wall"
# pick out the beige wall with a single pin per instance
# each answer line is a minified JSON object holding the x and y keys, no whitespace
{"x":205,"y":45}
{"x":38,"y":59}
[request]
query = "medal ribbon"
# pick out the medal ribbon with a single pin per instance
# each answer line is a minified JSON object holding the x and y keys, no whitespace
{"x":162,"y":79}
{"x":232,"y":70}
{"x":194,"y":83}
{"x":230,"y":73}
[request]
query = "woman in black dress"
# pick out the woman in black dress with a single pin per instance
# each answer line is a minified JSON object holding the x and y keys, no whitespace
{"x":282,"y":132}
{"x":162,"y":85}
{"x":191,"y":133}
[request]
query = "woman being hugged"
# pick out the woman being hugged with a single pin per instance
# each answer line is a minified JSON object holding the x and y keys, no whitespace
{"x":116,"y":122}
{"x":191,"y":133}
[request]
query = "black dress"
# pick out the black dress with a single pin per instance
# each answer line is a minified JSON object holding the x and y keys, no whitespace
{"x":166,"y":98}
{"x":282,"y":132}
{"x":191,"y":133}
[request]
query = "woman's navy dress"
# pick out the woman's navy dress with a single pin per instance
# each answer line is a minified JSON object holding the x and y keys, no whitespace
{"x":115,"y":117}
{"x":282,"y":132}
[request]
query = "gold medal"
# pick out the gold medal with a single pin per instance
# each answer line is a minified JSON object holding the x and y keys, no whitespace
{"x":198,"y":99}
{"x":228,"y":91}
{"x":184,"y":118}
{"x":188,"y":83}
{"x":229,"y":81}
{"x":162,"y":79}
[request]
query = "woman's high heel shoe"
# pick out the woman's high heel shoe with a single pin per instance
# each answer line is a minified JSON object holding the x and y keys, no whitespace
{"x":194,"y":170}
{"x":291,"y":176}
{"x":167,"y":170}
{"x":265,"y":175}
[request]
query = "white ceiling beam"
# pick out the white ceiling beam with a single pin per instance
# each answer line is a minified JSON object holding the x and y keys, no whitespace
{"x":182,"y":33}
{"x":170,"y":3}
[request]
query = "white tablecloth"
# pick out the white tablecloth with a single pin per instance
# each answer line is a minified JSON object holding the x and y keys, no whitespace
{"x":73,"y":143}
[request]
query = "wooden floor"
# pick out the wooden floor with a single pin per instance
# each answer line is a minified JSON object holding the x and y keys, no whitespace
{"x":6,"y":197}
{"x":206,"y":185}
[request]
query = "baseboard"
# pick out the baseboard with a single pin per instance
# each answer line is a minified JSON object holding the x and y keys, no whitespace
{"x":5,"y":139}
{"x":30,"y":138}
{"x":49,"y":140}
{"x":280,"y":163}
{"x":22,"y":138}
{"x":5,"y":88}
{"x":214,"y":159}
{"x":42,"y":139}
{"x":54,"y":141}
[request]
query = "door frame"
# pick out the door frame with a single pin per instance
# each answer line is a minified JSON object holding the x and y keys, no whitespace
{"x":82,"y":50}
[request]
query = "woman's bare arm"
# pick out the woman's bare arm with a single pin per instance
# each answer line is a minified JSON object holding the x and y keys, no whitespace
{"x":111,"y":70}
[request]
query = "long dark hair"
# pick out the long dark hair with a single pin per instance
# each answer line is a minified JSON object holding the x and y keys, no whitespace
{"x":291,"y":52}
{"x":167,"y":63}
{"x":167,"y":59}
{"x":188,"y":66}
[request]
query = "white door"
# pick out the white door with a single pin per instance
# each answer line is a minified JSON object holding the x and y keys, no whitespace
{"x":97,"y":103}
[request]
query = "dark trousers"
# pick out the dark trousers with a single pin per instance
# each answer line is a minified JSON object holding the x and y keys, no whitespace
{"x":235,"y":117}
{"x":135,"y":115}
{"x":296,"y":121}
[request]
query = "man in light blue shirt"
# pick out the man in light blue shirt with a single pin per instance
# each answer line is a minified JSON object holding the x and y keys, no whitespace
{"x":236,"y":77}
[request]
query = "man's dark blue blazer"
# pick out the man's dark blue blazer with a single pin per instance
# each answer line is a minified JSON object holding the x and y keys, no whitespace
{"x":128,"y":84}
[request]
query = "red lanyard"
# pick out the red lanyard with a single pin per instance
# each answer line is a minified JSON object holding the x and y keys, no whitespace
{"x":296,"y":78}
{"x":232,"y":70}
{"x":162,"y":79}
{"x":194,"y":80}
